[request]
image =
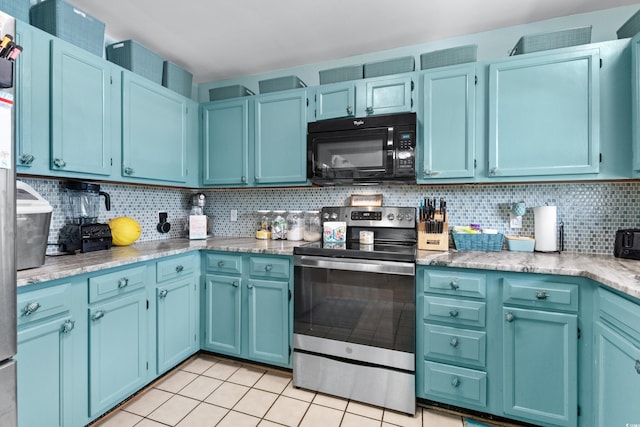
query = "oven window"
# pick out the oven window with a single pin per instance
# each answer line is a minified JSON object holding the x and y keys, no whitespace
{"x":364,"y":308}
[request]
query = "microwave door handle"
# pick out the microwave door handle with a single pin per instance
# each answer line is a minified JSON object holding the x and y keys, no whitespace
{"x":390,"y":137}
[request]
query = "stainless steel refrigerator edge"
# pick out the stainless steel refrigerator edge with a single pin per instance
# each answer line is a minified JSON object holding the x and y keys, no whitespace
{"x":8,"y":410}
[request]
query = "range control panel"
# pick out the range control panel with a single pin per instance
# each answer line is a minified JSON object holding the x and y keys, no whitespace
{"x":383,"y":216}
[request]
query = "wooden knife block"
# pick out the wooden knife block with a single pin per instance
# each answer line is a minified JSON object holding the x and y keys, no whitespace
{"x":433,"y":241}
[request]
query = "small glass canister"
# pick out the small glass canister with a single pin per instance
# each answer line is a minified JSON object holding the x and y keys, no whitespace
{"x":312,"y":226}
{"x":279,"y":225}
{"x":263,"y":225}
{"x":295,"y":225}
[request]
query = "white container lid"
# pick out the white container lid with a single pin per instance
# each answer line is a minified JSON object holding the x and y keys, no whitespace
{"x":28,"y":201}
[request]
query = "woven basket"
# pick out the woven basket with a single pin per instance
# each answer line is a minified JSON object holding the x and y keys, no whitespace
{"x":478,"y":242}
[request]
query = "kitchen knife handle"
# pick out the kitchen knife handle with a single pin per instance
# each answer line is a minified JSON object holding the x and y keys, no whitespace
{"x":31,"y":308}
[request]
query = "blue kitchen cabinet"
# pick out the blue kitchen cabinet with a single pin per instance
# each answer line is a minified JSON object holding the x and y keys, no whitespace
{"x":225,"y":143}
{"x":117,"y":319}
{"x":385,"y":95}
{"x":82,"y":130}
{"x":446,"y":146}
{"x":335,"y":100}
{"x":280,"y":138}
{"x":222,"y":329}
{"x":635,"y":102}
{"x":154,"y":131}
{"x":32,"y":85}
{"x":544,"y":114}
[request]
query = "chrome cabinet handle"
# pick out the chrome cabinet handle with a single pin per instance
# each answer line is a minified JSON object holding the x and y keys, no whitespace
{"x":542,"y":295}
{"x":455,"y":382}
{"x":369,"y":110}
{"x":493,"y":171}
{"x":256,"y":178}
{"x":129,"y":171}
{"x":98,"y":315}
{"x":250,"y":286}
{"x":454,"y":342}
{"x":454,"y":285}
{"x":163,"y":293}
{"x":638,"y":366}
{"x":27,"y":159}
{"x":268,"y":267}
{"x":234,"y":283}
{"x":350,"y":110}
{"x":243,"y":179}
{"x":220,"y":264}
{"x":59,"y":163}
{"x":123,"y":283}
{"x":67,"y":326}
{"x":31,"y":308}
{"x":179,"y":268}
{"x":454,"y":313}
{"x":510,"y":317}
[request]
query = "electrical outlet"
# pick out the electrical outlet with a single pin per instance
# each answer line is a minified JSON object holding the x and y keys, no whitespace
{"x":515,"y":221}
{"x":234,"y":215}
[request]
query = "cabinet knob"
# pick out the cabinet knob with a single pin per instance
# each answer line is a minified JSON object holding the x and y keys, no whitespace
{"x":98,"y":315}
{"x":350,"y":110}
{"x":493,"y":171}
{"x":454,"y":342}
{"x":268,"y":267}
{"x":426,"y":173}
{"x":638,"y":366}
{"x":369,"y":110}
{"x":163,"y":293}
{"x":129,"y":171}
{"x":179,"y":268}
{"x":454,"y":313}
{"x":256,"y":178}
{"x":455,"y":382}
{"x":542,"y":295}
{"x":454,"y":285}
{"x":31,"y":308}
{"x":67,"y":326}
{"x":250,"y":286}
{"x":234,"y":283}
{"x":59,"y":163}
{"x":123,"y":282}
{"x":510,"y":317}
{"x":243,"y":179}
{"x":27,"y":159}
{"x":220,"y":264}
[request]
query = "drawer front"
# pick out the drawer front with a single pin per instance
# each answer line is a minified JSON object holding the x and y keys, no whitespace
{"x":472,"y":285}
{"x":174,"y":268}
{"x":117,"y":283}
{"x":621,"y":313}
{"x":466,"y":386}
{"x":223,"y":263}
{"x":455,"y":312}
{"x":459,"y":346}
{"x":539,"y":294}
{"x":269,"y":267}
{"x":43,"y":303}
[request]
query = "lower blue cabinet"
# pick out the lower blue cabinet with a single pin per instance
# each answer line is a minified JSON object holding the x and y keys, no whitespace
{"x":223,"y":310}
{"x":268,"y":328}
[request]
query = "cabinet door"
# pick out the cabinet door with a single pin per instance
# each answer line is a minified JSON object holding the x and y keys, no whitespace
{"x":154,"y":131}
{"x":32,"y":100}
{"x":335,"y":100}
{"x":447,"y":146}
{"x":45,"y":368}
{"x":281,"y":138}
{"x":117,"y":350}
{"x":617,"y":379}
{"x":268,"y":321}
{"x":635,"y":100}
{"x":225,"y":136}
{"x":223,"y":311}
{"x":540,"y":351}
{"x":544,"y":114}
{"x":176,"y":322}
{"x":81,"y":128}
{"x":388,"y":95}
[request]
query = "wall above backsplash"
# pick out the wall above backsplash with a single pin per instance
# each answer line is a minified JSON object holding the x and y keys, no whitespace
{"x":591,"y":211}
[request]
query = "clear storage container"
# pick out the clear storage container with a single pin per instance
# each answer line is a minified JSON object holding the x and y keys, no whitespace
{"x":295,"y":225}
{"x":263,"y":226}
{"x":279,"y":225}
{"x":312,"y":226}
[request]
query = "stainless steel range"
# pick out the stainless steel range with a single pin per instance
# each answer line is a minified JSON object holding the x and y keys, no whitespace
{"x":354,"y":309}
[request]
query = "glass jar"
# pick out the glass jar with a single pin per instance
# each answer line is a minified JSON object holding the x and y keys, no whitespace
{"x":279,"y":225}
{"x":312,"y":226}
{"x":263,"y":225}
{"x":295,"y":225}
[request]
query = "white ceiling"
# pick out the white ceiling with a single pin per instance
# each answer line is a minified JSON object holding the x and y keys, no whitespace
{"x":221,"y":39}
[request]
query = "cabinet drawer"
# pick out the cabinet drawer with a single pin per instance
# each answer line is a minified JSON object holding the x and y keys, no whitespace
{"x":466,"y":386}
{"x":455,"y":283}
{"x":460,"y":346}
{"x":540,"y":294}
{"x":619,"y":312}
{"x":117,"y":283}
{"x":43,"y":303}
{"x":455,"y":312}
{"x":222,"y":263}
{"x":175,"y":267}
{"x":269,"y":267}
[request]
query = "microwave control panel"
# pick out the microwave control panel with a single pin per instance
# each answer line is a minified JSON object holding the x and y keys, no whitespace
{"x":405,"y":150}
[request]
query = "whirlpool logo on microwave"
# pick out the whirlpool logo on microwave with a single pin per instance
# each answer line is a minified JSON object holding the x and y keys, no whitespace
{"x":358,"y":123}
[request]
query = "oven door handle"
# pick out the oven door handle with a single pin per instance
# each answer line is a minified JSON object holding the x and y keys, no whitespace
{"x":350,"y":264}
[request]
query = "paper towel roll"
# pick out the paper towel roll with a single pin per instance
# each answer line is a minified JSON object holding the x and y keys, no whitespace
{"x":546,"y":228}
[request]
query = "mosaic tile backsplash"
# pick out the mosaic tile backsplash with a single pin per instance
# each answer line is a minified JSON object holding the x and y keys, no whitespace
{"x":591,"y":212}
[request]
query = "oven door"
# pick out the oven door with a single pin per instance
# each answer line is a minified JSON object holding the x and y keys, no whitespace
{"x":370,"y":305}
{"x":359,"y":154}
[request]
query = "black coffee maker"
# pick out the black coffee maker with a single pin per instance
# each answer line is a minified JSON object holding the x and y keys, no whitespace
{"x":82,"y":230}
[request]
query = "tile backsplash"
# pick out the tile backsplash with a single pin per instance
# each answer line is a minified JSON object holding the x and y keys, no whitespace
{"x":591,"y":211}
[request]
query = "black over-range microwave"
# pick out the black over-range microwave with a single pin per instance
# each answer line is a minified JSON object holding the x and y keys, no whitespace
{"x":369,"y":150}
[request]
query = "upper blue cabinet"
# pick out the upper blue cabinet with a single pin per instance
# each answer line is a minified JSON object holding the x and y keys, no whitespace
{"x":335,"y":100}
{"x":635,"y":104}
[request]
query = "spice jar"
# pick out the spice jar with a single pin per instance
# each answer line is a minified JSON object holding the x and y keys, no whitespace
{"x":312,"y":226}
{"x":295,"y":225}
{"x":279,"y":225}
{"x":263,"y":226}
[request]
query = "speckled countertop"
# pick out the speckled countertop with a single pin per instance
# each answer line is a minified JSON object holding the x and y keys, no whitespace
{"x":619,"y":274}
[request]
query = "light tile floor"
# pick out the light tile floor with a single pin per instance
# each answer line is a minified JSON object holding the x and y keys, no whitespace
{"x":210,"y":391}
